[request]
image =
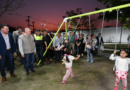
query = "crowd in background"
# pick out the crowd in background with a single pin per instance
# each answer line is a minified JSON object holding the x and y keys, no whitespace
{"x":30,"y":47}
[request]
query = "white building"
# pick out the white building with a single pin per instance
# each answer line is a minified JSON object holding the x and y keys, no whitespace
{"x":109,"y":34}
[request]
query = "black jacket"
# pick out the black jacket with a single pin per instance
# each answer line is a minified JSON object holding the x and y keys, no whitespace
{"x":100,"y":41}
{"x":47,"y":39}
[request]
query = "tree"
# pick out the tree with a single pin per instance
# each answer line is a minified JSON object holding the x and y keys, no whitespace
{"x":10,"y":5}
{"x":124,"y":15}
{"x":84,"y":21}
{"x":75,"y":20}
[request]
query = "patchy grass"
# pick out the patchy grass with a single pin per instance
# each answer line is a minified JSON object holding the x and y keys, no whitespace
{"x":112,"y":46}
{"x":96,"y":76}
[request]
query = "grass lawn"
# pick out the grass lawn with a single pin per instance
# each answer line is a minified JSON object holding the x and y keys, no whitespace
{"x":96,"y":76}
{"x":109,"y":52}
{"x":112,"y":46}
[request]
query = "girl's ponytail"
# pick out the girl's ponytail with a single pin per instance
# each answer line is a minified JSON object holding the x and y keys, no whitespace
{"x":67,"y":59}
{"x":68,"y":52}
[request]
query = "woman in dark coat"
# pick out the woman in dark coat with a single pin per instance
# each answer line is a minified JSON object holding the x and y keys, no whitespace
{"x":80,"y":45}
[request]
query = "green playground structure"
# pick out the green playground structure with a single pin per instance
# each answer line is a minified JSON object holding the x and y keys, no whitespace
{"x":85,"y":14}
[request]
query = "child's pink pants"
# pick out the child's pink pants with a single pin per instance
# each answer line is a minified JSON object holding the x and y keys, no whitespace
{"x":121,"y":75}
{"x":68,"y":73}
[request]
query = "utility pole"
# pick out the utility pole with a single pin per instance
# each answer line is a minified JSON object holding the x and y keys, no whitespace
{"x":28,"y":20}
{"x":33,"y":25}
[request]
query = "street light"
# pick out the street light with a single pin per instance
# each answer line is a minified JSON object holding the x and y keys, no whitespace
{"x":42,"y":25}
{"x":120,"y":11}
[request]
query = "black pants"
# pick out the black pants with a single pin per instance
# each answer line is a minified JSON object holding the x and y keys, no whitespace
{"x":47,"y":55}
{"x":80,"y":49}
{"x":39,"y":50}
{"x":58,"y":56}
{"x":83,"y":48}
{"x":52,"y":53}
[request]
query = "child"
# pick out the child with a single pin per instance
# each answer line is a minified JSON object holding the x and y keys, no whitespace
{"x":68,"y":63}
{"x":121,"y":68}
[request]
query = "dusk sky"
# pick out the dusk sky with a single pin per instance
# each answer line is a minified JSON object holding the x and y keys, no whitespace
{"x":47,"y":10}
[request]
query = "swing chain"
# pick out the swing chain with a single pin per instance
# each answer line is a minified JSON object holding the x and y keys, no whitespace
{"x":117,"y":28}
{"x":103,"y":22}
{"x":77,"y":24}
{"x":89,"y":25}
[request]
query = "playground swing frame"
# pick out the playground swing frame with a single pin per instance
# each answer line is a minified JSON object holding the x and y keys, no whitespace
{"x":81,"y":15}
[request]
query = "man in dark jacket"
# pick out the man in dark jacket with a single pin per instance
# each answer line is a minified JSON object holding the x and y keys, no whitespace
{"x":51,"y":47}
{"x":99,"y":41}
{"x":7,"y":49}
{"x":47,"y":39}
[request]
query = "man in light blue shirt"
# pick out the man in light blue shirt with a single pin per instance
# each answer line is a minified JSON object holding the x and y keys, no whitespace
{"x":57,"y":41}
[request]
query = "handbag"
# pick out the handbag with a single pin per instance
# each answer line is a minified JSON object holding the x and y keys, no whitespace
{"x":88,"y":46}
{"x":94,"y":51}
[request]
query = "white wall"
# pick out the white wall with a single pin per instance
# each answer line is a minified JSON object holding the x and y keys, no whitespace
{"x":109,"y":34}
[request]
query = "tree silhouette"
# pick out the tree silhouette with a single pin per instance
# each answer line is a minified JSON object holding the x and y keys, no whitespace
{"x":84,"y":22}
{"x":10,"y":5}
{"x":124,"y":16}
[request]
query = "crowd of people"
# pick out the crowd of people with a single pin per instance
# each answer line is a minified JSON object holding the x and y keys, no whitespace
{"x":31,"y":47}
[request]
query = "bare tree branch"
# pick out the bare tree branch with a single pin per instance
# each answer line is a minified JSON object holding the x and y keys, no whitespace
{"x":10,"y":5}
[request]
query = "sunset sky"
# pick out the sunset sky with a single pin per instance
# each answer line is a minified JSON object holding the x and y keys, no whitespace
{"x":47,"y":10}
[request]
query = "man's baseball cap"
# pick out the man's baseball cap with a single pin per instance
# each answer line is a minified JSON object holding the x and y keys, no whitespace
{"x":37,"y":30}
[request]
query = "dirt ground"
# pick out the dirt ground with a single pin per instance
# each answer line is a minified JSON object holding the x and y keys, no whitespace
{"x":96,"y":76}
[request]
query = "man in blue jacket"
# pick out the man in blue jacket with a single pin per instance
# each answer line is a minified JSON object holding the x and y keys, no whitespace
{"x":7,"y":49}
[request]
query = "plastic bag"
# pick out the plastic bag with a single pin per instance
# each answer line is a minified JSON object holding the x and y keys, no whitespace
{"x":101,"y":47}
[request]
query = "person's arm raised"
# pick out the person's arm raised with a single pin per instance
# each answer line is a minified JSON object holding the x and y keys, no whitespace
{"x":112,"y":57}
{"x":77,"y":57}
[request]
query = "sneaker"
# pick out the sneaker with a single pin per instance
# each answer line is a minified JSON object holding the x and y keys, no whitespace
{"x":64,"y":82}
{"x":116,"y":88}
{"x":73,"y":76}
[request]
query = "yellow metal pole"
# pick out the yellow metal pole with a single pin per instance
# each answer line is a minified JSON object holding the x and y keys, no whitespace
{"x":101,"y":11}
{"x":66,"y":29}
{"x":52,"y":41}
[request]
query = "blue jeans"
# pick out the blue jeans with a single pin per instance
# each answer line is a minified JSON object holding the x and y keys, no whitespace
{"x":98,"y":46}
{"x":58,"y":56}
{"x":89,"y":55}
{"x":8,"y":57}
{"x":29,"y":58}
{"x":40,"y":53}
